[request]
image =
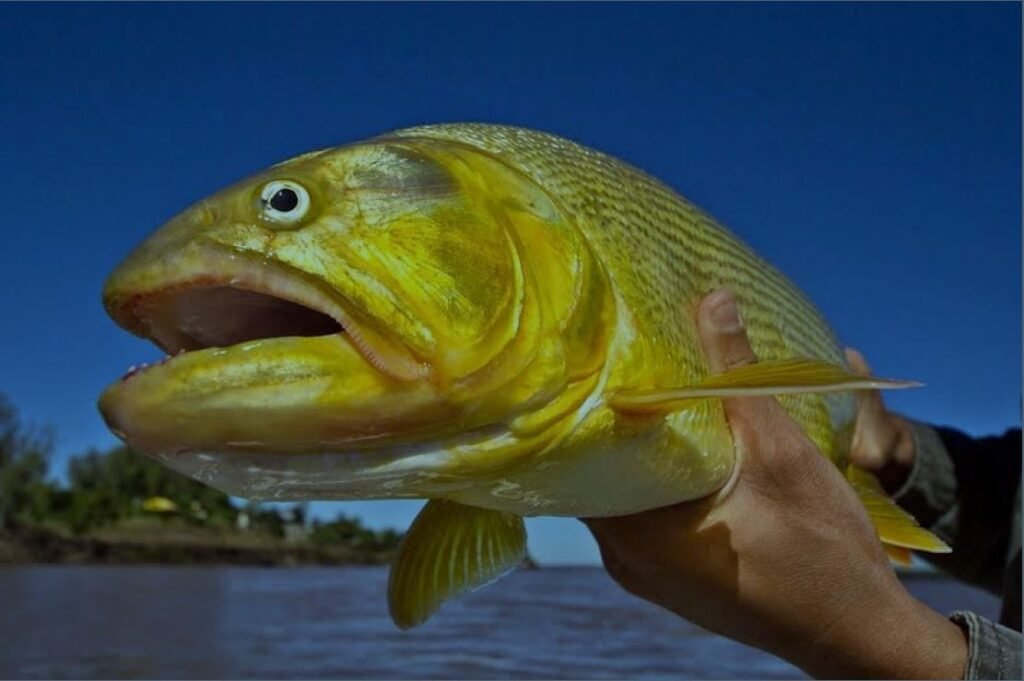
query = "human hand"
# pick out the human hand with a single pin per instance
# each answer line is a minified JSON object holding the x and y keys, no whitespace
{"x":784,"y":558}
{"x":882,"y":442}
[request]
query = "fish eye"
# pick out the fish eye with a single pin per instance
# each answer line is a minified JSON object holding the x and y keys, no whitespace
{"x":284,"y":201}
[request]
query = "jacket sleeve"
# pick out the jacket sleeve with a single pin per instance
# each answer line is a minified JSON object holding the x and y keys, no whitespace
{"x":966,"y":490}
{"x":993,"y":651}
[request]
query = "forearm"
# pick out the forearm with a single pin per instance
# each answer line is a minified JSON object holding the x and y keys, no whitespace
{"x":895,"y":638}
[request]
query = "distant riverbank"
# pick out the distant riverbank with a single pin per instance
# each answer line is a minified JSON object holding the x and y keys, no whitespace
{"x":174,"y":545}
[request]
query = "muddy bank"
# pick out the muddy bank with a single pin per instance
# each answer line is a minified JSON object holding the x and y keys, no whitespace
{"x":176,"y":548}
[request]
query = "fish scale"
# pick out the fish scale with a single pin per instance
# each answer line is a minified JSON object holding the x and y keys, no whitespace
{"x":629,"y":217}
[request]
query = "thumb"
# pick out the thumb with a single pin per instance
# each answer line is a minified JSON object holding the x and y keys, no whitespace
{"x":727,"y":346}
{"x":722,"y":332}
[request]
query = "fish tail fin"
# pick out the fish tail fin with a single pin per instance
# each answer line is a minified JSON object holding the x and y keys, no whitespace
{"x":896,"y":528}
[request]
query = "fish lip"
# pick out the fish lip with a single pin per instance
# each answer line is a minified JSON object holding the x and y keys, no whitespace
{"x":228,"y":268}
{"x":177,"y":407}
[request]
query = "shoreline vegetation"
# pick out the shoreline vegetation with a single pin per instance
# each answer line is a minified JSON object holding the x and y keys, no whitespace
{"x":120,"y":506}
{"x":165,"y":545}
{"x":146,"y":544}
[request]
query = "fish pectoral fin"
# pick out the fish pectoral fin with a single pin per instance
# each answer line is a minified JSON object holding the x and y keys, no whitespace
{"x":896,"y":528}
{"x":451,"y":549}
{"x":774,"y":377}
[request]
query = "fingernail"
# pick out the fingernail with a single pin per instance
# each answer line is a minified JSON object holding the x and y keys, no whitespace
{"x":724,"y":315}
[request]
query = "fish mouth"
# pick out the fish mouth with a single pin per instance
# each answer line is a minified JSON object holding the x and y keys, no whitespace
{"x":211,"y":315}
{"x":207,"y":316}
{"x":226,"y":300}
{"x":260,"y":358}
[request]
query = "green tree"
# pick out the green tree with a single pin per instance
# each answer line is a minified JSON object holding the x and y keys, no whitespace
{"x":24,"y":453}
{"x":265,"y":519}
{"x":299,"y":513}
{"x":109,"y":487}
{"x":349,"y":531}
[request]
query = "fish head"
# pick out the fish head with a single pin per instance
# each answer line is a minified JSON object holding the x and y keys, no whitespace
{"x":354,"y":299}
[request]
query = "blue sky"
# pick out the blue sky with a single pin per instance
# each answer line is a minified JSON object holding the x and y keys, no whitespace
{"x":872,"y":152}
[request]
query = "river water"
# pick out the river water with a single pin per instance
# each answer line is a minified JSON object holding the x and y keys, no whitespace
{"x":230,"y":622}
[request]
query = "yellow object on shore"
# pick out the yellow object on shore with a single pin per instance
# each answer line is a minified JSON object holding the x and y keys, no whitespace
{"x":496,"y":319}
{"x":159,"y":505}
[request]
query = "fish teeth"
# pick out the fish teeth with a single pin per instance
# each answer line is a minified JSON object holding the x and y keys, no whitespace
{"x":134,"y":369}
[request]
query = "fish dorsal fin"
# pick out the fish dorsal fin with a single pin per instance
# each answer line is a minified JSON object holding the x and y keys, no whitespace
{"x":775,"y":377}
{"x":895,"y":527}
{"x":449,"y":550}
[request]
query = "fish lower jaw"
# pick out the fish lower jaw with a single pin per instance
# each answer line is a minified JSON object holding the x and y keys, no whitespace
{"x":136,"y":370}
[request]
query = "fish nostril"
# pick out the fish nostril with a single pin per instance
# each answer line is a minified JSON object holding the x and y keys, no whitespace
{"x":205,"y":215}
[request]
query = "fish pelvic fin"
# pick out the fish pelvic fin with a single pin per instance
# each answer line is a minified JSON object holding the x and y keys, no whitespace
{"x":896,"y":528}
{"x":449,"y":550}
{"x":774,"y":377}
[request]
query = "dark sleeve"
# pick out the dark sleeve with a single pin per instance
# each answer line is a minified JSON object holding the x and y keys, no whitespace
{"x":966,"y":490}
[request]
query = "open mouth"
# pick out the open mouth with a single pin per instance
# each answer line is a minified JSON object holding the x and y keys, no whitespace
{"x":221,"y":316}
{"x":242,"y":302}
{"x":219,"y":299}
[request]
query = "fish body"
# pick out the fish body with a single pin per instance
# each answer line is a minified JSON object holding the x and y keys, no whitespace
{"x":496,"y":319}
{"x":660,"y":255}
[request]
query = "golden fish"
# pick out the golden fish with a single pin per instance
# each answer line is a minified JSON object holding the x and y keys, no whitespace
{"x":487,"y":317}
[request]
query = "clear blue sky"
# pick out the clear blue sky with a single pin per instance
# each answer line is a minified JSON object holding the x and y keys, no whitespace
{"x":873,"y":152}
